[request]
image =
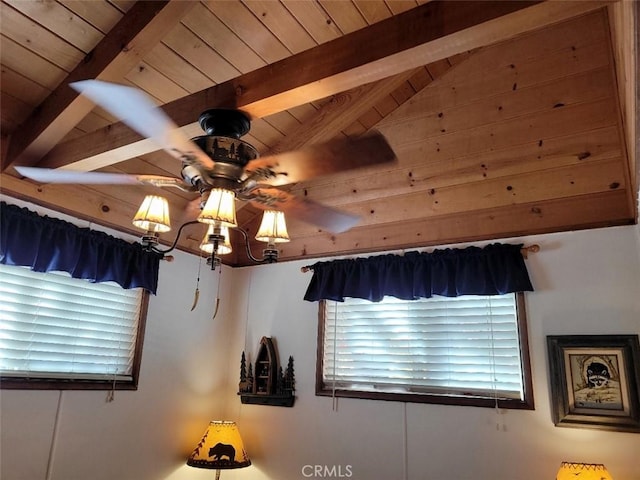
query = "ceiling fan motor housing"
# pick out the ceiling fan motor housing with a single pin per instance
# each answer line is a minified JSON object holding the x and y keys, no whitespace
{"x":225,"y":122}
{"x":230,"y":156}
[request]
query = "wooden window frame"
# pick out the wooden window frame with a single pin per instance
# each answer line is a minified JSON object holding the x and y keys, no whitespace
{"x":527,"y":403}
{"x":29,"y":383}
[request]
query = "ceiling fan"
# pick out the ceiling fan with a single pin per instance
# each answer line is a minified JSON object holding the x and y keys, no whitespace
{"x":221,"y":160}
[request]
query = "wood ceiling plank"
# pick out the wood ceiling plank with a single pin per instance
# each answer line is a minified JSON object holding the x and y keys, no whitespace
{"x":517,"y":131}
{"x":599,"y":210}
{"x":139,"y":31}
{"x":374,"y":12}
{"x":30,"y":65}
{"x":399,"y":6}
{"x":370,"y":118}
{"x":99,"y":13}
{"x":335,"y":116}
{"x":22,"y":87}
{"x":155,"y":84}
{"x":202,"y":22}
{"x":123,"y":5}
{"x":283,"y":121}
{"x":345,"y":15}
{"x":265,"y":133}
{"x":403,"y":93}
{"x":303,"y":112}
{"x":585,"y":179}
{"x":13,"y":112}
{"x":38,"y":39}
{"x":177,"y":69}
{"x":354,"y":129}
{"x":423,"y":174}
{"x":282,"y":24}
{"x":461,"y":87}
{"x":239,"y":19}
{"x":56,"y":18}
{"x":437,"y":69}
{"x":591,"y":86}
{"x":420,"y":79}
{"x":625,"y":49}
{"x":200,"y":54}
{"x":314,"y":19}
{"x":92,"y":122}
{"x":386,"y":105}
{"x":392,"y":46}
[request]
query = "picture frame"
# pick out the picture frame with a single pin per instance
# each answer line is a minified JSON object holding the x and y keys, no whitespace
{"x":595,"y":381}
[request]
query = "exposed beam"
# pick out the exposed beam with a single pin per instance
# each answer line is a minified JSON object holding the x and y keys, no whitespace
{"x":425,"y":34}
{"x":336,"y":115}
{"x":139,"y":30}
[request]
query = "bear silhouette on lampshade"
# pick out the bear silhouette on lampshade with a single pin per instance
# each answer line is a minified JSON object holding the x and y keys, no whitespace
{"x":220,"y":448}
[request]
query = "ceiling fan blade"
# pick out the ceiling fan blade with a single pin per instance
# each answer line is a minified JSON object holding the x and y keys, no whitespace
{"x":321,"y":159}
{"x":139,"y":112}
{"x":51,"y":175}
{"x":327,"y":218}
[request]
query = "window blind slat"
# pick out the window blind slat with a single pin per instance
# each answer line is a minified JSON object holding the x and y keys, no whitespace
{"x":52,"y":325}
{"x":457,"y":344}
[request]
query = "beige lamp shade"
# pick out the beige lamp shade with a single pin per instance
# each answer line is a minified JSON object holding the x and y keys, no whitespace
{"x":273,"y":228}
{"x":220,"y":208}
{"x":220,"y":448}
{"x":224,"y":247}
{"x":153,"y":215}
{"x":583,"y":471}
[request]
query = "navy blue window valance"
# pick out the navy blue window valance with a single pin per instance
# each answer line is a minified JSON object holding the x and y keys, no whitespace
{"x":493,"y":270}
{"x":49,"y":244}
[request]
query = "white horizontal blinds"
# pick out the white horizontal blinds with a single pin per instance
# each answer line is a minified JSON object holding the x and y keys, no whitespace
{"x":465,"y":345}
{"x":55,"y":326}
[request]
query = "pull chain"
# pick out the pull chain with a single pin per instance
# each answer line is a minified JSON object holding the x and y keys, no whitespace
{"x":196,"y":294}
{"x":215,"y":312}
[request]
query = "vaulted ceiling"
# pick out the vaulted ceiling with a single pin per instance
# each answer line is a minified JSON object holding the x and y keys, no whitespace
{"x":507,"y":118}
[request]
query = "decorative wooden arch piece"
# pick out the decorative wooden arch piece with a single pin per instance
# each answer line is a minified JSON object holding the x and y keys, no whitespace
{"x":268,"y":384}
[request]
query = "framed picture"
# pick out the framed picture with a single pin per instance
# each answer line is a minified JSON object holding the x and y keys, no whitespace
{"x":595,"y":381}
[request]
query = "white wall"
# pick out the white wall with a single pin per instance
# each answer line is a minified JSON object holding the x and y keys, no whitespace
{"x":586,"y":282}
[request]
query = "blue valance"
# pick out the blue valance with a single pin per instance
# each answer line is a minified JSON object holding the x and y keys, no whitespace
{"x":50,"y":244}
{"x":493,"y":270}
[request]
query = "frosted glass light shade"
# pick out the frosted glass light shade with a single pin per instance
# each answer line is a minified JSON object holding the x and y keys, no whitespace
{"x":273,"y":228}
{"x":583,"y":471}
{"x":224,"y":247}
{"x":153,"y":215}
{"x":220,"y":208}
{"x":221,"y":448}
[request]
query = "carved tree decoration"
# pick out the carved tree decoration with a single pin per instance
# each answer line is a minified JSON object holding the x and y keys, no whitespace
{"x":270,"y":385}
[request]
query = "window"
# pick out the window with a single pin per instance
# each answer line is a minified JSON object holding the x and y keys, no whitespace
{"x":468,"y":350}
{"x":61,"y":332}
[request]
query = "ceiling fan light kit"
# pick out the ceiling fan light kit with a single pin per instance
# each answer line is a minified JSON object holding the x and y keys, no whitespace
{"x":153,"y":215}
{"x":222,"y":168}
{"x":220,"y":208}
{"x":224,"y":245}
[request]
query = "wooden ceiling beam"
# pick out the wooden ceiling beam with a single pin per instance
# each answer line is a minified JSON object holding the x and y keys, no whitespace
{"x":419,"y":36}
{"x":139,"y":30}
{"x":336,"y":115}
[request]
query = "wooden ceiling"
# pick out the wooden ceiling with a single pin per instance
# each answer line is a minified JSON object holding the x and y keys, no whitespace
{"x":507,"y":118}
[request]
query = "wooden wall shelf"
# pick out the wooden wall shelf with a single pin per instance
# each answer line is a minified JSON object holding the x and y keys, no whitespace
{"x":269,"y":385}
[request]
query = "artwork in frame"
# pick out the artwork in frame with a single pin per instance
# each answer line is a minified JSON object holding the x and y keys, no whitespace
{"x":595,"y":381}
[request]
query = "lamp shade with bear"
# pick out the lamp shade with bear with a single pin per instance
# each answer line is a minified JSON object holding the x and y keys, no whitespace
{"x":220,"y":448}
